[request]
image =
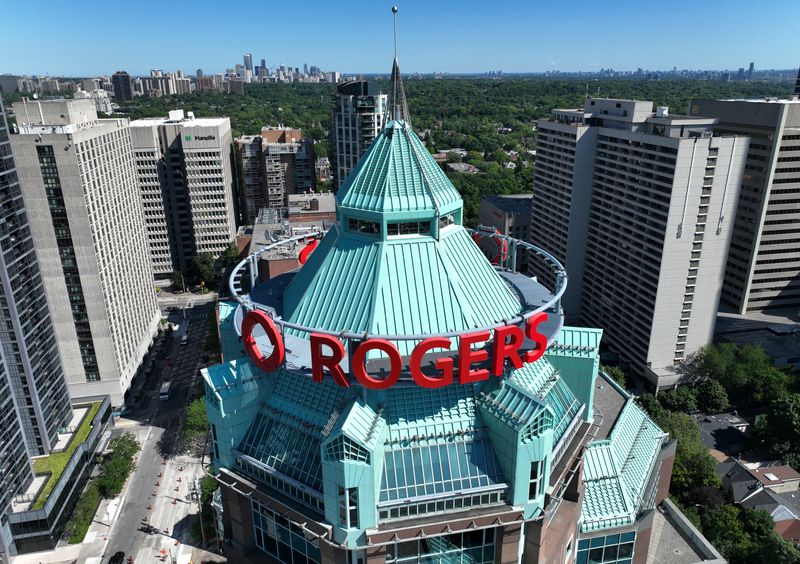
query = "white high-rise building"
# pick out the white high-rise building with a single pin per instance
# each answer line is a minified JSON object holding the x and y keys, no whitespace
{"x":186,"y":179}
{"x":82,"y":197}
{"x":638,"y":206}
{"x":359,"y":114}
{"x":763,"y":270}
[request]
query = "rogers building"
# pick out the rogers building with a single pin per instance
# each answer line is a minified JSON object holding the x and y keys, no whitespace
{"x":339,"y":438}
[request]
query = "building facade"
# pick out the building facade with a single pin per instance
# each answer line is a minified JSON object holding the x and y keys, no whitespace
{"x":251,"y":166}
{"x":185,"y":176}
{"x":86,"y":220}
{"x":123,"y":85}
{"x":643,"y":204}
{"x":35,"y":403}
{"x":273,"y":166}
{"x":482,"y":469}
{"x":359,"y":113}
{"x":763,"y":269}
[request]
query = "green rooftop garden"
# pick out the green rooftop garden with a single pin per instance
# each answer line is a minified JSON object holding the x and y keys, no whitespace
{"x":55,"y":463}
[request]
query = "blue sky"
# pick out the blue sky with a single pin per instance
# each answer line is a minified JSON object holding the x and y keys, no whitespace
{"x":87,"y":37}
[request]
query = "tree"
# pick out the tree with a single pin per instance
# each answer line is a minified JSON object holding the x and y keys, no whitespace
{"x":177,"y":280}
{"x":766,"y":546}
{"x":712,"y":397}
{"x":453,"y":157}
{"x":118,"y":465}
{"x":196,"y":422}
{"x":680,"y":398}
{"x":745,"y":372}
{"x":616,"y":374}
{"x":721,"y":525}
{"x":230,"y":256}
{"x":694,"y":466}
{"x":779,"y":428}
{"x":203,"y":270}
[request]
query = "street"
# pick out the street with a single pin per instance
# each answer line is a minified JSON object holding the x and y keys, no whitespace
{"x":152,"y":518}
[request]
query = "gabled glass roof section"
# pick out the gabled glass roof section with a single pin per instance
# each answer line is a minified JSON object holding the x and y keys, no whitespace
{"x":439,"y":468}
{"x":286,"y":448}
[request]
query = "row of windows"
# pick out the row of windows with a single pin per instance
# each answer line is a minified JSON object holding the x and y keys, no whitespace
{"x":397,"y":228}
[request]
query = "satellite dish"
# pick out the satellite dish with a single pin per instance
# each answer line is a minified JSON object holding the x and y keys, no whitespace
{"x":35,"y":96}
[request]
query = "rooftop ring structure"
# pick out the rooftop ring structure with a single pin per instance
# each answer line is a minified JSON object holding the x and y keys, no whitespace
{"x":267,"y":296}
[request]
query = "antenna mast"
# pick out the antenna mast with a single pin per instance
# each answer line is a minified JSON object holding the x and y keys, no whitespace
{"x":398,"y":105}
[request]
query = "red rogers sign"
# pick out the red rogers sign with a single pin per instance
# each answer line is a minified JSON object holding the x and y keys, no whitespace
{"x":507,"y":341}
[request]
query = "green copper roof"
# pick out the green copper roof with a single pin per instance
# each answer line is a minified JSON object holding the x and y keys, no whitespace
{"x":398,"y":174}
{"x":616,"y":470}
{"x":408,"y":285}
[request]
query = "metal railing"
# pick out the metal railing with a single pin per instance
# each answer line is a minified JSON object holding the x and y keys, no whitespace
{"x":250,"y":263}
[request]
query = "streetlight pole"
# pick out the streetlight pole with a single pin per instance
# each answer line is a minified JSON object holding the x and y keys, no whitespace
{"x":198,"y":496}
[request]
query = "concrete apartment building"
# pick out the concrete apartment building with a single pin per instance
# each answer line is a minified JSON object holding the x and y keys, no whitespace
{"x":359,"y":114}
{"x":763,"y":270}
{"x":272,"y":166}
{"x":185,"y":177}
{"x":34,"y":402}
{"x":639,"y":207}
{"x":85,"y":211}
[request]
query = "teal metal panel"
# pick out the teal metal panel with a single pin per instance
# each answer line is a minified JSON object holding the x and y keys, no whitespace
{"x":230,"y":343}
{"x":415,"y":285}
{"x":575,"y":355}
{"x":398,"y":174}
{"x":616,"y":470}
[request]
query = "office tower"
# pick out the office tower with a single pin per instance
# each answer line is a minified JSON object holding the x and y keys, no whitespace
{"x":123,"y":85}
{"x":750,"y":71}
{"x":359,"y":113}
{"x":248,"y":62}
{"x":643,"y":204}
{"x":252,"y":177}
{"x":483,"y":472}
{"x":264,"y":64}
{"x":763,"y":269}
{"x":797,"y":84}
{"x":199,"y":73}
{"x":186,"y":181}
{"x":305,"y":68}
{"x":87,"y":225}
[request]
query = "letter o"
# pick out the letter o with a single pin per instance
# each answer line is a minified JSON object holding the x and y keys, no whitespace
{"x":360,"y":355}
{"x":266,"y":363}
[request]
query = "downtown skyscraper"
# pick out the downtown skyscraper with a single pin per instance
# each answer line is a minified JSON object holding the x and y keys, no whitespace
{"x":87,"y":225}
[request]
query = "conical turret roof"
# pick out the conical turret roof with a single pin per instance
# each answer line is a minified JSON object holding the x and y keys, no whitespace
{"x":398,"y":174}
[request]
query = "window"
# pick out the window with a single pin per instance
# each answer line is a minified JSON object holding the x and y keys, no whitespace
{"x":362,"y":226}
{"x":536,"y":479}
{"x":475,"y":547}
{"x":409,"y":228}
{"x":445,"y":220}
{"x":283,"y":539}
{"x":348,"y":507}
{"x":611,"y":549}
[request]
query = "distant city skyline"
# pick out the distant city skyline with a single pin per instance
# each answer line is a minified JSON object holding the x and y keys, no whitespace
{"x":516,"y":37}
